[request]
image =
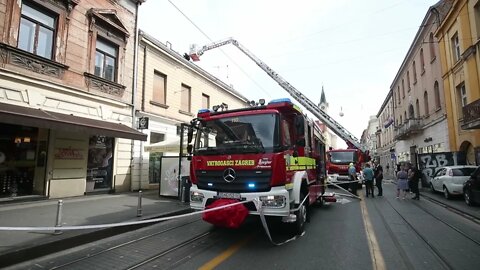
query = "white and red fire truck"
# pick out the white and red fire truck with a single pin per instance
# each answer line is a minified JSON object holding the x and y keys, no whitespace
{"x":284,"y":164}
{"x":271,"y":152}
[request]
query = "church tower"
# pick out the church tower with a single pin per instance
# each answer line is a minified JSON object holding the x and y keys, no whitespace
{"x":323,"y":105}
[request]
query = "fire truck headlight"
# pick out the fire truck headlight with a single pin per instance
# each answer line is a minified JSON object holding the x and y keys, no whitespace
{"x":276,"y":201}
{"x":196,"y":197}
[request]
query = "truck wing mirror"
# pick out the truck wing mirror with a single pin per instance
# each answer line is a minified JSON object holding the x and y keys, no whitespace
{"x":189,"y":149}
{"x":189,"y":134}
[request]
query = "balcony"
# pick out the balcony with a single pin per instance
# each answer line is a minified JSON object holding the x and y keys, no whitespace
{"x":471,"y":115}
{"x":410,"y":127}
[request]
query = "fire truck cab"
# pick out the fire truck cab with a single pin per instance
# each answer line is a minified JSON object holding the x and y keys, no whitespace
{"x":271,"y":153}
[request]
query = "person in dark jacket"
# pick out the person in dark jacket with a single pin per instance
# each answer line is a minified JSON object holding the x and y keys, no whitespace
{"x":379,"y":179}
{"x":368,"y":174}
{"x":414,"y":179}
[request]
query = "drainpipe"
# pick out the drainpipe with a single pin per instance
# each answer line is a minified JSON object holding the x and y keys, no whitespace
{"x":134,"y":87}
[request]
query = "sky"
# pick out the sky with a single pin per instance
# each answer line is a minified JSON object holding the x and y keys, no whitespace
{"x":351,"y":48}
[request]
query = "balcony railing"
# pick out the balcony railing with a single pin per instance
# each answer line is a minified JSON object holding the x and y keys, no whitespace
{"x":471,"y":115}
{"x":409,"y":128}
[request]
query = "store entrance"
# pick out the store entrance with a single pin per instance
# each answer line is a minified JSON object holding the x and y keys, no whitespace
{"x":20,"y":159}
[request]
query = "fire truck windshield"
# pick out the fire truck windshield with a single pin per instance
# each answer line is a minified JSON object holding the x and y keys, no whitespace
{"x":240,"y":134}
{"x":342,"y":157}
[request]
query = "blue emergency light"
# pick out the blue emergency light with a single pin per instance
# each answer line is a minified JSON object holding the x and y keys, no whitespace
{"x":251,"y":185}
{"x":203,"y":110}
{"x":280,"y":100}
{"x":210,"y":184}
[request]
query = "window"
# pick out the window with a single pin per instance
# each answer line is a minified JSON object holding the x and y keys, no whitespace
{"x":37,"y":31}
{"x":425,"y":102}
{"x":414,"y":72}
{"x":398,"y":94}
{"x":106,"y":54}
{"x":411,"y":112}
{"x":431,"y":42}
{"x":477,"y":19}
{"x":456,"y":48}
{"x":461,"y":99}
{"x":405,"y":116}
{"x":403,"y":89}
{"x":436,"y":91}
{"x":185,"y":98}
{"x":417,"y":105}
{"x":408,"y":80}
{"x":159,"y":87}
{"x":205,"y":101}
{"x":422,"y":61}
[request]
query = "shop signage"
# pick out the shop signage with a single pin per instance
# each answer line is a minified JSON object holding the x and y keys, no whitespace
{"x":143,"y":123}
{"x":68,"y":153}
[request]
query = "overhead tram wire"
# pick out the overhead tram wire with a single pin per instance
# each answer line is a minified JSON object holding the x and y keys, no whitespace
{"x":211,"y":40}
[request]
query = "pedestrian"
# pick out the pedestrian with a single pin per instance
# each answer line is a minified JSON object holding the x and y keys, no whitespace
{"x":379,"y":179}
{"x":368,"y":175}
{"x":414,"y":179}
{"x":402,"y":182}
{"x":352,"y":174}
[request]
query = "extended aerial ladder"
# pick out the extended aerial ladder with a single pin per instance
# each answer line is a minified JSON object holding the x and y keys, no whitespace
{"x":350,"y":139}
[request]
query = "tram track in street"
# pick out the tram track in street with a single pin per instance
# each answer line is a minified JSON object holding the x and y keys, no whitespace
{"x":435,"y":251}
{"x":452,"y":209}
{"x":132,"y":245}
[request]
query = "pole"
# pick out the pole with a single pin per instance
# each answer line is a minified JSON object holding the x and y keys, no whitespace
{"x":139,"y":206}
{"x":59,"y":217}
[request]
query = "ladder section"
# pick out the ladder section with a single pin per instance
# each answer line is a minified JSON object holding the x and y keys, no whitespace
{"x":338,"y":129}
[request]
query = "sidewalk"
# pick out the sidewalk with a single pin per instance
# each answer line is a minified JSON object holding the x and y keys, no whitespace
{"x":86,"y":210}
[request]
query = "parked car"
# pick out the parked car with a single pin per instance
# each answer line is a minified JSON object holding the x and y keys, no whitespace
{"x":471,"y":188}
{"x":450,"y":179}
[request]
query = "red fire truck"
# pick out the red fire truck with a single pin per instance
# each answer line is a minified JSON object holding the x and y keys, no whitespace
{"x":272,"y":153}
{"x":279,"y":169}
{"x":338,"y":161}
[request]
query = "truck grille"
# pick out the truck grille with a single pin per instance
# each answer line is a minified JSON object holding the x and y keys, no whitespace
{"x":213,"y":180}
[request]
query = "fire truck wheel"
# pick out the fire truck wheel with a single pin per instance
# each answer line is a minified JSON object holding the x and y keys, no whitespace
{"x":301,"y":214}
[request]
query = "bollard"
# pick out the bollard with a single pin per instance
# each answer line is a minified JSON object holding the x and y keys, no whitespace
{"x":139,"y":206}
{"x":183,"y":194}
{"x":59,"y":217}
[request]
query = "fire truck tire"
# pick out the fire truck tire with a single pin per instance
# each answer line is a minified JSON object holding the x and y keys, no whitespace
{"x":301,"y":217}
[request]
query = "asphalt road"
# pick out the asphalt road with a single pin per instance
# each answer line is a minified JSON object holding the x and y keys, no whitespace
{"x":374,"y":233}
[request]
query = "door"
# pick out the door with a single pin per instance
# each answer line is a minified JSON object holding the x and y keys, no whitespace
{"x":438,"y":179}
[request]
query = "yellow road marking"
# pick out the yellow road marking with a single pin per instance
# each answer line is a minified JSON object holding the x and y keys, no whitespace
{"x":375,"y":252}
{"x":225,"y":255}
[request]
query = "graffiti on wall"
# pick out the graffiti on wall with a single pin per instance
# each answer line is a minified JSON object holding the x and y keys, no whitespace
{"x":429,"y":162}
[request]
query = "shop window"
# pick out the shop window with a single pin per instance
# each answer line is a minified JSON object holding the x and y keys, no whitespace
{"x":19,"y":159}
{"x":100,"y":163}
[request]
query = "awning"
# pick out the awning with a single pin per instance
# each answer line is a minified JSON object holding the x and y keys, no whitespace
{"x":165,"y":146}
{"x":19,"y":115}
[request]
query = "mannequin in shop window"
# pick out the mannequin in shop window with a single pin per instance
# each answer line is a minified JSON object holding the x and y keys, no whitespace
{"x":107,"y":165}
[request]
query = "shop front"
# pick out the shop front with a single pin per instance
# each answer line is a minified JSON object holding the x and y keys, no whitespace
{"x":22,"y":158}
{"x":56,"y":155}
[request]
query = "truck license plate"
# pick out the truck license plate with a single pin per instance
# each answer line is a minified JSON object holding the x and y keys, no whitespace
{"x":228,"y":195}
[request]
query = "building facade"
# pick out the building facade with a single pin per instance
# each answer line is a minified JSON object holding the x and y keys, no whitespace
{"x":171,"y":90}
{"x":66,"y":79}
{"x":459,"y":37}
{"x":420,"y":124}
{"x":386,"y":137}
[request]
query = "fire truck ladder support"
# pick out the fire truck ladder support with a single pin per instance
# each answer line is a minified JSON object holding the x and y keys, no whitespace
{"x":338,"y":129}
